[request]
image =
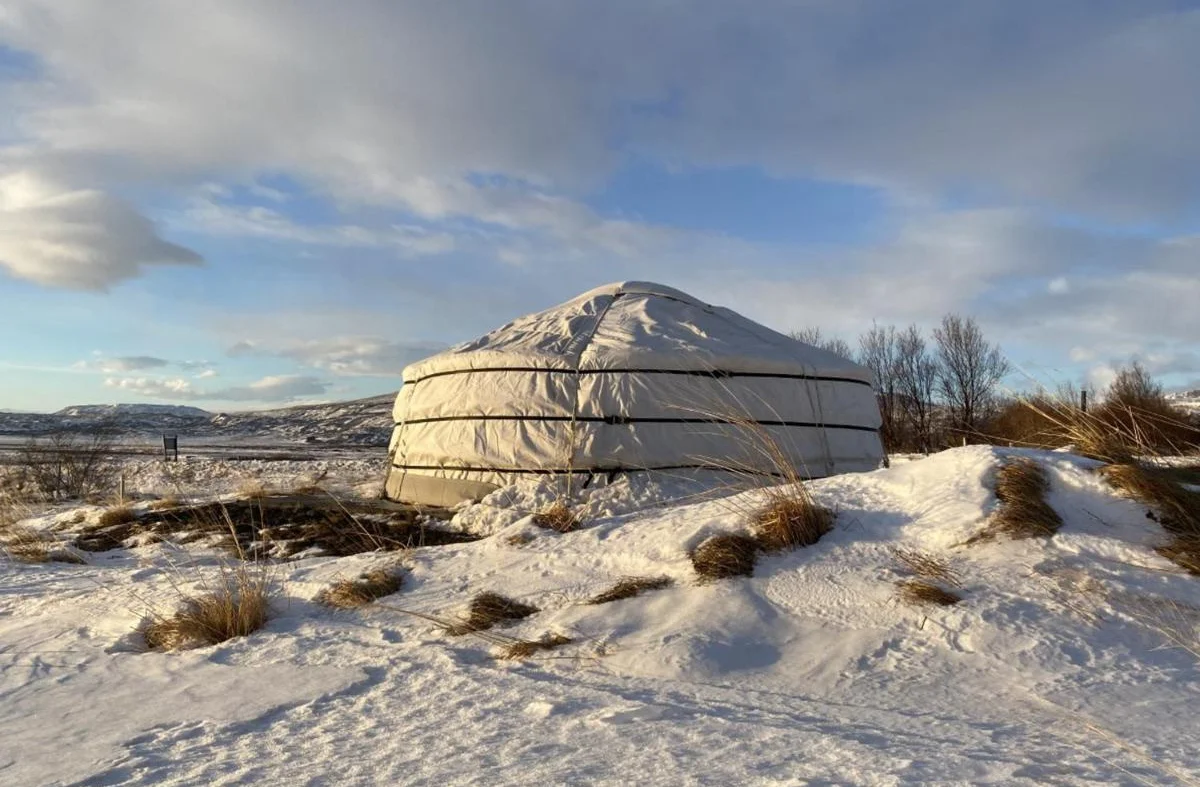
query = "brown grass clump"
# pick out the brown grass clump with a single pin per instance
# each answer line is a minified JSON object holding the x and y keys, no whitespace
{"x":117,"y":515}
{"x":239,"y":605}
{"x":920,"y":592}
{"x":1021,"y":487}
{"x":628,"y":587}
{"x":489,"y":609}
{"x":928,"y":566}
{"x":519,"y":539}
{"x":1177,"y":509}
{"x":252,"y":489}
{"x":558,"y":517}
{"x":354,"y":593}
{"x":26,"y":545}
{"x":524,"y":648}
{"x":162,"y":504}
{"x":790,"y":519}
{"x":724,"y":556}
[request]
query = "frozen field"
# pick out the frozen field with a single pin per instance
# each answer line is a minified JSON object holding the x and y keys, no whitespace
{"x":1071,"y":660}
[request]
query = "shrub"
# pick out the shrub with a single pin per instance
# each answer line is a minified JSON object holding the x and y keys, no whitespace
{"x":489,"y":609}
{"x":71,"y":465}
{"x":724,"y":556}
{"x":238,"y":606}
{"x":628,"y":587}
{"x":354,"y":593}
{"x":1033,"y":422}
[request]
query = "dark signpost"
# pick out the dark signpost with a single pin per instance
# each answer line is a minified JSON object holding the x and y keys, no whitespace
{"x":170,"y":448}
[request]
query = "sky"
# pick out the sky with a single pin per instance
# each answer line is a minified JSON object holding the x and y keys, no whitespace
{"x":239,"y":205}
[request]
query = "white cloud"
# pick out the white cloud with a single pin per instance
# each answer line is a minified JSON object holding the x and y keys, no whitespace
{"x":280,"y":388}
{"x":212,"y":217}
{"x":1059,"y":103}
{"x":126,"y":363}
{"x":79,"y":239}
{"x":346,"y":356}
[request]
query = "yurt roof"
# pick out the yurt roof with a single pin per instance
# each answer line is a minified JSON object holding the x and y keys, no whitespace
{"x":638,"y":326}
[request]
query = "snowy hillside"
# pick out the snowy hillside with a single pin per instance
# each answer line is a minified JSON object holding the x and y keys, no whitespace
{"x":366,"y":422}
{"x":1062,"y":664}
{"x":1187,"y":400}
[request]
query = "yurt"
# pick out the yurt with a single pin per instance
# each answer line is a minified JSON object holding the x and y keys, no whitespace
{"x":630,"y":377}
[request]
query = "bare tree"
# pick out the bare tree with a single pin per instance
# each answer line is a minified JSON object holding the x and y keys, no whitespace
{"x":1134,"y":387}
{"x":877,"y":351}
{"x":833,"y":344}
{"x":969,"y":367}
{"x":66,"y":465}
{"x":916,"y":383}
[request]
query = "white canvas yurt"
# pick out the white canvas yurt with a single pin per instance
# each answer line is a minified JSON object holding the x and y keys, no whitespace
{"x":627,"y":378}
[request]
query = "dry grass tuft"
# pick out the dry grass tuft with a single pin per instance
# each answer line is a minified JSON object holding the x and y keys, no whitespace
{"x":252,"y":489}
{"x":354,"y":593}
{"x":524,"y":648}
{"x":628,"y":587}
{"x":27,"y":545}
{"x":928,"y":566}
{"x":238,"y":605}
{"x":1021,"y":487}
{"x":724,"y":556}
{"x":165,"y":503}
{"x":1183,"y":551}
{"x":920,"y":592}
{"x":117,"y":515}
{"x":1177,"y":509}
{"x":489,"y":609}
{"x":790,"y":519}
{"x":519,"y":539}
{"x":558,"y":517}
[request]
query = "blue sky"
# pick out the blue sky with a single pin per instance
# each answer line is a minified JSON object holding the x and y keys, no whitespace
{"x":247,"y":205}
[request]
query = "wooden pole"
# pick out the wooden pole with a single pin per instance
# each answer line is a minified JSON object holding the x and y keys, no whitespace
{"x":1083,"y":400}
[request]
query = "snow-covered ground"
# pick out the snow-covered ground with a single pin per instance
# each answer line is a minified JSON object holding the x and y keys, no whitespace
{"x":1060,"y":666}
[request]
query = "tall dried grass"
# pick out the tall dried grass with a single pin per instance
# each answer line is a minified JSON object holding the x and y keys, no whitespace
{"x":1177,"y":509}
{"x":28,"y":545}
{"x":558,"y":517}
{"x":524,"y":648}
{"x":725,"y":556}
{"x":354,"y":593}
{"x":1021,"y":488}
{"x":490,"y":609}
{"x":920,"y":592}
{"x":236,"y":604}
{"x":927,"y":566}
{"x":629,"y":587}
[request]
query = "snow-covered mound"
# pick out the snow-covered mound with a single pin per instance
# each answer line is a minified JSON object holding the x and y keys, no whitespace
{"x":1064,"y":662}
{"x":365,"y":422}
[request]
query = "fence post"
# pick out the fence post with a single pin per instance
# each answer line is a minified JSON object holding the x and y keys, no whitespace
{"x":1083,"y":400}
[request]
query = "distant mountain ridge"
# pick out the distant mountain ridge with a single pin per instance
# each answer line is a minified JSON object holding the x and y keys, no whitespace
{"x":366,"y":422}
{"x":119,"y":410}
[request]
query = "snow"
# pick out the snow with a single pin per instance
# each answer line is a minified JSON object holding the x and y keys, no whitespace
{"x":1056,"y":668}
